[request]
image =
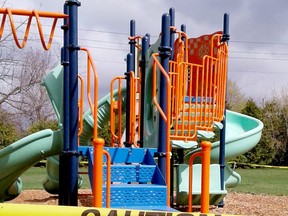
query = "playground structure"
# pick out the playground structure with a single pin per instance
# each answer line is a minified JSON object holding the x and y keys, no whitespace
{"x":174,"y":105}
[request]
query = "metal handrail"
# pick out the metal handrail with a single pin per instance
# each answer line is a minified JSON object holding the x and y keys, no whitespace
{"x":81,"y":105}
{"x":93,"y":106}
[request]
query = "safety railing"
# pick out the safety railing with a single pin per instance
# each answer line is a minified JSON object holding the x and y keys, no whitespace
{"x":134,"y":109}
{"x":205,"y":177}
{"x":222,"y":56}
{"x":165,"y":116}
{"x":198,"y":88}
{"x":116,"y":110}
{"x":183,"y":118}
{"x":34,"y":13}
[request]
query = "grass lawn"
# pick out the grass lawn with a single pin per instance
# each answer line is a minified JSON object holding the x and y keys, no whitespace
{"x":34,"y":177}
{"x":263,"y":181}
{"x":258,"y":181}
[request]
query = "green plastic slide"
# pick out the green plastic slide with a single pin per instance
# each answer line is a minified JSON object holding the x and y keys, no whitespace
{"x":242,"y":134}
{"x":16,"y":158}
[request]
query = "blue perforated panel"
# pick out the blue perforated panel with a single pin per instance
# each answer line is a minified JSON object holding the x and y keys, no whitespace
{"x":125,"y":195}
{"x":130,"y":173}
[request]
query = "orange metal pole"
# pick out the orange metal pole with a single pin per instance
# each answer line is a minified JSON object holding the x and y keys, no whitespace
{"x":81,"y":105}
{"x":205,"y":182}
{"x":108,"y":178}
{"x":98,"y":171}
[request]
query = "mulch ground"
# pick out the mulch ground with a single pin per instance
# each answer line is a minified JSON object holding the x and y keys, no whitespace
{"x":235,"y":203}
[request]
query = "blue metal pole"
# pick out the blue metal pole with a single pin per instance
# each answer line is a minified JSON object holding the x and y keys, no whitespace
{"x":71,"y":155}
{"x":172,"y":31}
{"x":130,"y":64}
{"x":132,"y":42}
{"x":145,"y":47}
{"x":225,"y":39}
{"x":165,"y":52}
{"x":62,"y":158}
{"x":148,"y":37}
{"x":183,"y":29}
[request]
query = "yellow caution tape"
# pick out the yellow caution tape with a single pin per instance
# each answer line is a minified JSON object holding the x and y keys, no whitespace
{"x":49,"y":210}
{"x":261,"y":166}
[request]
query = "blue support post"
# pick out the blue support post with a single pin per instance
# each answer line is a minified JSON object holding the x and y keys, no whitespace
{"x":128,"y":96}
{"x":70,"y":155}
{"x":62,"y":158}
{"x":165,"y":52}
{"x":132,"y":42}
{"x":148,"y":37}
{"x":225,"y":39}
{"x":172,"y":31}
{"x":145,"y":47}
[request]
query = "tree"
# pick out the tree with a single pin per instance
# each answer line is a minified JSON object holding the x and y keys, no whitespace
{"x":21,"y":93}
{"x":264,"y":152}
{"x":8,"y":132}
{"x":41,"y":125}
{"x":235,"y":98}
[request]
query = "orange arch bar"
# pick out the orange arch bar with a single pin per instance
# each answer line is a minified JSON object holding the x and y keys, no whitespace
{"x":30,"y":14}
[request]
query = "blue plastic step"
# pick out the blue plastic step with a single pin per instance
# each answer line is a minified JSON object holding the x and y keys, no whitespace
{"x":131,"y":173}
{"x":122,"y":155}
{"x":131,"y":195}
{"x":125,"y":173}
{"x":135,"y":179}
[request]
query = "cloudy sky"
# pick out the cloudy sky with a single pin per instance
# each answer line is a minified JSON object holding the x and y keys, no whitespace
{"x":258,"y":58}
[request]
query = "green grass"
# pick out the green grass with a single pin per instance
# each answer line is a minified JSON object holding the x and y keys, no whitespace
{"x":34,"y":177}
{"x":258,"y":181}
{"x":263,"y":181}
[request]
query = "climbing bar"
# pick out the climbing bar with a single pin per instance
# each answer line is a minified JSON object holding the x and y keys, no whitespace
{"x":30,"y":14}
{"x":92,"y":103}
{"x":205,"y":178}
{"x":165,"y":117}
